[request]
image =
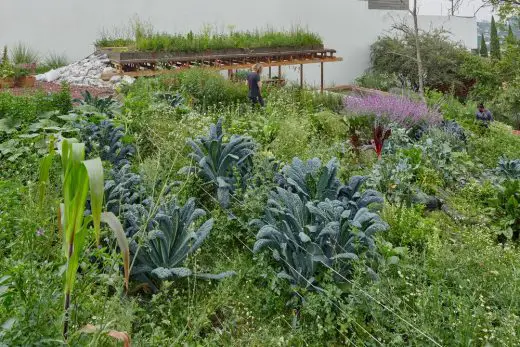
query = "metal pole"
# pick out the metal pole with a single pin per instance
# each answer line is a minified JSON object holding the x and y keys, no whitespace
{"x":269,"y":71}
{"x":321,"y":89}
{"x":301,"y":76}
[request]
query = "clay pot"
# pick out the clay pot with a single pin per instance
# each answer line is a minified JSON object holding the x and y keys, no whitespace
{"x":25,"y":82}
{"x":7,"y":82}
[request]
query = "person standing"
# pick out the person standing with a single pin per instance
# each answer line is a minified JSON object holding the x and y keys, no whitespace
{"x":255,"y":85}
{"x":484,"y":115}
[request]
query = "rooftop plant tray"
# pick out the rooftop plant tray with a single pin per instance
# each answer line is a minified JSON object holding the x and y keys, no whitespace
{"x":144,"y":38}
{"x":121,"y":55}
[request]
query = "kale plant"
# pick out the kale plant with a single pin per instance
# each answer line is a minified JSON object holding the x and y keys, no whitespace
{"x":106,"y":105}
{"x":508,"y":169}
{"x":312,"y":222}
{"x":172,"y":238}
{"x":106,"y":140}
{"x":220,"y":162}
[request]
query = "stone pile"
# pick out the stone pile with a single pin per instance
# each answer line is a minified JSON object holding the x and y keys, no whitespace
{"x":86,"y":72}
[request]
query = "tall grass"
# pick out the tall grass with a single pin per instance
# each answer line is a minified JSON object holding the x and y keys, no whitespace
{"x":56,"y":60}
{"x":146,"y":39}
{"x":23,"y":54}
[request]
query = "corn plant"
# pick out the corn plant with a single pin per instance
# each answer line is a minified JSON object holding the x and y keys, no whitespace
{"x":79,"y":178}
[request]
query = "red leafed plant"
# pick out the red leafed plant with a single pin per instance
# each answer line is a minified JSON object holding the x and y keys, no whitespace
{"x":380,"y":134}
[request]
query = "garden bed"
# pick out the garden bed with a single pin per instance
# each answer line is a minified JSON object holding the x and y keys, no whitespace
{"x":120,"y":55}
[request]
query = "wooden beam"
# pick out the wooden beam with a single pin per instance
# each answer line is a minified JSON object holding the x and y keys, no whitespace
{"x":146,"y":73}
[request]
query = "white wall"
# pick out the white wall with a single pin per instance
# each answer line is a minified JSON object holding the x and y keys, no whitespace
{"x":71,"y":26}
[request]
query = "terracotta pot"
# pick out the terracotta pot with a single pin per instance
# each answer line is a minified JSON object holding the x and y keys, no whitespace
{"x":25,"y":81}
{"x":7,"y":82}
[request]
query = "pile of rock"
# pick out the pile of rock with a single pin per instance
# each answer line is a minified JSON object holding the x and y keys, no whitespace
{"x":86,"y":72}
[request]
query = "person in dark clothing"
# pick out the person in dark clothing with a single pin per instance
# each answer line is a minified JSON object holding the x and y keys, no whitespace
{"x":254,"y":84}
{"x":484,"y":116}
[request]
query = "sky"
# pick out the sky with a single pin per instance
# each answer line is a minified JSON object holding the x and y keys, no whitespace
{"x":432,"y":7}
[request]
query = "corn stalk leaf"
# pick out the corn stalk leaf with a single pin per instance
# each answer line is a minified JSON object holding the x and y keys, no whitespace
{"x":114,"y":224}
{"x":94,"y":169}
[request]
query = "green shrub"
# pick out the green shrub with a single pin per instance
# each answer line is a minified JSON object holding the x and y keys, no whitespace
{"x":208,"y":87}
{"x":381,"y":81}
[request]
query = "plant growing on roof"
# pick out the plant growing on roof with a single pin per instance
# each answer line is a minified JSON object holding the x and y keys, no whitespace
{"x":91,"y":103}
{"x":380,"y":134}
{"x":509,"y":169}
{"x":284,"y":230}
{"x":106,"y":140}
{"x":80,"y":177}
{"x":310,"y":180}
{"x":332,"y":229}
{"x":220,"y":162}
{"x":167,"y":246}
{"x":393,"y":109}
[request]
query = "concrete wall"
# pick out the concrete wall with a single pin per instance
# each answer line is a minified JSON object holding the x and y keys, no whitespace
{"x":71,"y":26}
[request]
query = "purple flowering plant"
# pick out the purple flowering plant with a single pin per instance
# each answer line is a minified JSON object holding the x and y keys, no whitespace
{"x":393,"y":109}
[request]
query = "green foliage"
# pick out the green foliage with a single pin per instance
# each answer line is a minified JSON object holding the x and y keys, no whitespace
{"x":55,"y":60}
{"x":510,"y":39}
{"x":506,"y":206}
{"x":80,"y":177}
{"x":494,"y":45}
{"x":98,"y":104}
{"x":488,"y":147}
{"x":509,"y":169}
{"x":6,"y":68}
{"x":23,"y":54}
{"x":378,"y":80}
{"x":148,"y":40}
{"x":208,"y":87}
{"x":313,"y":221}
{"x":170,"y":243}
{"x":219,"y":163}
{"x":483,"y":47}
{"x":441,"y":60}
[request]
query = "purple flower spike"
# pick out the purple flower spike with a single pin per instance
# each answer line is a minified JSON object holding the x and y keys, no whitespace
{"x":394,"y":109}
{"x":40,"y":232}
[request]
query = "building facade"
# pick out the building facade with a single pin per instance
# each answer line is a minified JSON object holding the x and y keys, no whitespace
{"x":349,"y":26}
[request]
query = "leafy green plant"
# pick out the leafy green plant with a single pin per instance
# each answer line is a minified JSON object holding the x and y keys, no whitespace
{"x":6,"y":68}
{"x":312,"y":219}
{"x":80,"y":177}
{"x":107,"y":140}
{"x":55,"y":60}
{"x":219,"y":162}
{"x":510,"y":169}
{"x":105,"y":105}
{"x":173,"y":238}
{"x":23,"y":54}
{"x":507,"y":209}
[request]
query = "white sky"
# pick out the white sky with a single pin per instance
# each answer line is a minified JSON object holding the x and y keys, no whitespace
{"x":468,"y":8}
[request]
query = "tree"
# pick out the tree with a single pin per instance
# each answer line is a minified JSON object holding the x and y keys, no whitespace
{"x":510,"y":39}
{"x":506,"y":8}
{"x":441,"y":58}
{"x":494,"y":46}
{"x":414,"y":12}
{"x":483,"y":47}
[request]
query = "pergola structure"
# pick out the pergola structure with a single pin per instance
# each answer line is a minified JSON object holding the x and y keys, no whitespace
{"x":138,"y":64}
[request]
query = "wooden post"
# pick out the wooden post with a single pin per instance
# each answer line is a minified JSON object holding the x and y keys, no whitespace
{"x":229,"y":73}
{"x":321,"y":87}
{"x":279,"y":71}
{"x":269,"y":71}
{"x":301,"y":76}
